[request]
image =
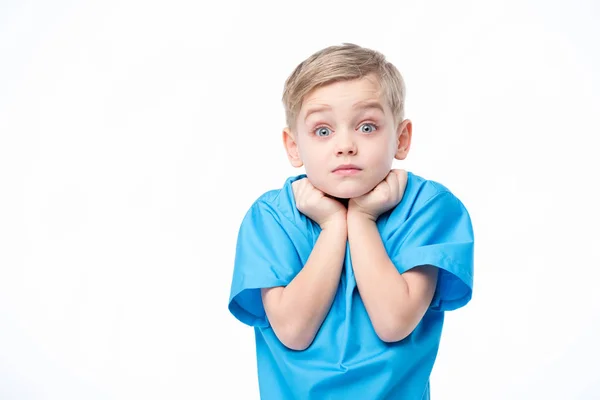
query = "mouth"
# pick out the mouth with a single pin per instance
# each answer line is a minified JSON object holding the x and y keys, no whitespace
{"x":347,"y":170}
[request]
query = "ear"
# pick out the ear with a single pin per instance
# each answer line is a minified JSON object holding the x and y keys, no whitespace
{"x":291,"y":147}
{"x":403,"y":136}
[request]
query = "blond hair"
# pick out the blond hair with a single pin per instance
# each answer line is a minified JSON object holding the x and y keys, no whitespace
{"x":340,"y":63}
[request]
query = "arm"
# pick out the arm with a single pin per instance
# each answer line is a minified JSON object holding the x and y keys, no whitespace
{"x":395,"y":302}
{"x":297,"y":310}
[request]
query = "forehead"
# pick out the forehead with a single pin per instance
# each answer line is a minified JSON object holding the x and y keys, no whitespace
{"x":348,"y":95}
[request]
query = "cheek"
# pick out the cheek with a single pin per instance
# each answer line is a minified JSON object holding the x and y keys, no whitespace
{"x":304,"y":150}
{"x":314,"y":155}
{"x":379,"y":153}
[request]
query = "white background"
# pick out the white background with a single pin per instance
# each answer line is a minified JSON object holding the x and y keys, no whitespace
{"x":134,"y":136}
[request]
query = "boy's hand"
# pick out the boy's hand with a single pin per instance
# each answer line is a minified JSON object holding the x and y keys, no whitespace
{"x":383,"y":197}
{"x":313,"y":203}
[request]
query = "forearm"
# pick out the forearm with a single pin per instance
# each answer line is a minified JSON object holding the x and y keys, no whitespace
{"x":298,"y":310}
{"x":394,"y":311}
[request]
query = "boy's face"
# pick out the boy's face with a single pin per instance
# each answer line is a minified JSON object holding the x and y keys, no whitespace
{"x":347,"y":122}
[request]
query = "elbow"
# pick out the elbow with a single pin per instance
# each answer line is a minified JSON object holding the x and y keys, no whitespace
{"x":295,"y":338}
{"x":392,"y":336}
{"x":296,"y":345}
{"x":392,"y":331}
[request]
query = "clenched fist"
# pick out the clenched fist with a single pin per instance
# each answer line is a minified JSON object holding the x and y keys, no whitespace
{"x":386,"y":195}
{"x":313,"y":203}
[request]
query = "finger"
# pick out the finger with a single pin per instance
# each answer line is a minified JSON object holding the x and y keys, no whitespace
{"x":308,"y":189}
{"x":305,"y":186}
{"x":301,"y":191}
{"x":380,"y":185}
{"x":402,"y":180}
{"x":401,"y":173}
{"x":392,"y":181}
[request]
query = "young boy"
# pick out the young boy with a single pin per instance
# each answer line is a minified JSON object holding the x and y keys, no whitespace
{"x":346,"y":272}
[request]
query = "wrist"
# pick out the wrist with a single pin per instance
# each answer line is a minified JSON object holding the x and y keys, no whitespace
{"x":334,"y":224}
{"x":356,"y":216}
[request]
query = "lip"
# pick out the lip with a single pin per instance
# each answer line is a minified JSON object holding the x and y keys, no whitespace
{"x":347,"y":169}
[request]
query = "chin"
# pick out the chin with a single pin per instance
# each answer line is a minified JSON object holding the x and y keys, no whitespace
{"x":342,"y":189}
{"x":347,"y":193}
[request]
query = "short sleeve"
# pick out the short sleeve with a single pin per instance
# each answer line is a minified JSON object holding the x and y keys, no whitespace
{"x":265,"y":257}
{"x":440,"y":233}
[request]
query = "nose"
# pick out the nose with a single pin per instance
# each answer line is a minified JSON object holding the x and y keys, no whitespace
{"x":345,"y":144}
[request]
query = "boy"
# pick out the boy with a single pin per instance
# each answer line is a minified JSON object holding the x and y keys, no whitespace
{"x":345,"y":272}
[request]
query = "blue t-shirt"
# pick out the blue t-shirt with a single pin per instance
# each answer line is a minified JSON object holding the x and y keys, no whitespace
{"x":346,"y":359}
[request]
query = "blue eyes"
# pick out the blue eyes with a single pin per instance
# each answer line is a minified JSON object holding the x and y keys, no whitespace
{"x":371,"y":130}
{"x":323,"y":131}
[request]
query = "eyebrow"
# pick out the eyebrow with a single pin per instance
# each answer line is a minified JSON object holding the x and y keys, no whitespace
{"x":361,"y":105}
